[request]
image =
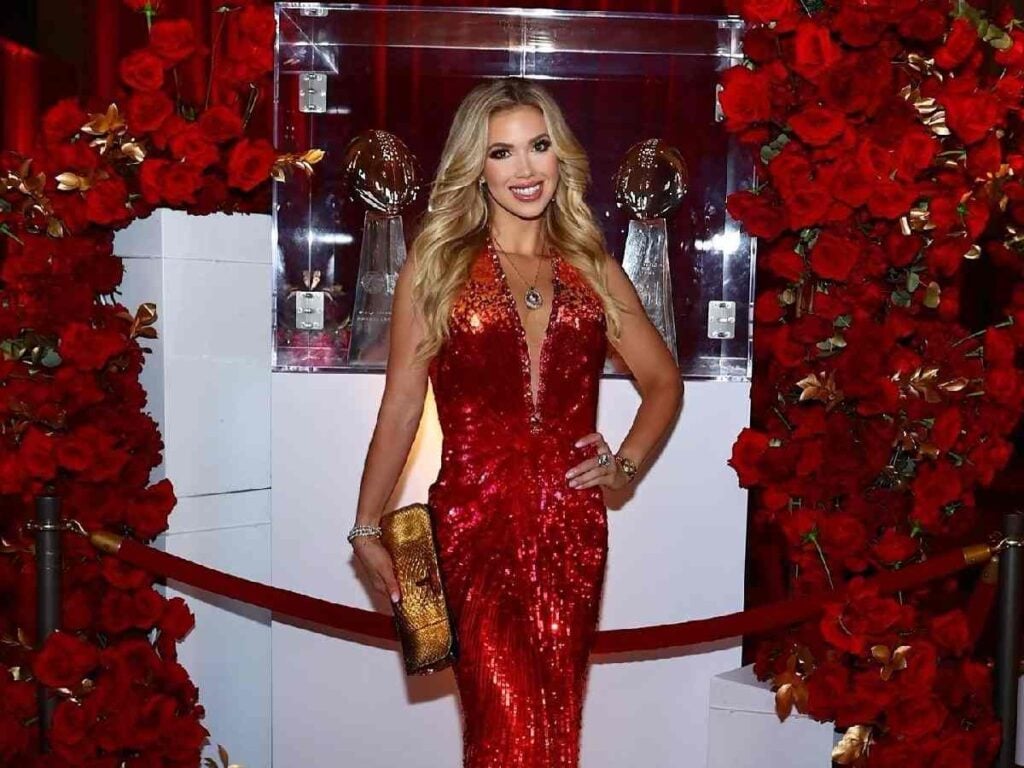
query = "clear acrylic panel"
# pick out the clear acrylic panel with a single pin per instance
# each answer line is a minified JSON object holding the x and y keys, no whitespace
{"x":620,"y":78}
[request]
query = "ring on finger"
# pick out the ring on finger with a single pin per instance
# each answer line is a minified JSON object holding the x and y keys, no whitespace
{"x":603,"y":459}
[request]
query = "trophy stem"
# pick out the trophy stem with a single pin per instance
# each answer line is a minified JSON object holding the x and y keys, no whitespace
{"x":380,"y":258}
{"x":645,"y":262}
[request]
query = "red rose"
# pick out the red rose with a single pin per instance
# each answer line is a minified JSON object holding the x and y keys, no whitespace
{"x":892,"y":200}
{"x":90,"y":348}
{"x":75,"y":451}
{"x":107,"y":202}
{"x":192,"y":147}
{"x":851,"y":185}
{"x":142,"y":71}
{"x":817,"y":125}
{"x":123,"y":575}
{"x":814,"y":50}
{"x":148,"y":515}
{"x":807,"y":206}
{"x":856,"y":84}
{"x":950,"y":631}
{"x":842,"y":534}
{"x":180,"y":182}
{"x":256,"y":25}
{"x":799,"y":524}
{"x":972,"y":116}
{"x":745,"y":97}
{"x":758,"y":215}
{"x":220,"y":123}
{"x":63,"y":120}
{"x":147,"y":110}
{"x":173,"y":40}
{"x":916,"y":151}
{"x":947,"y":427}
{"x":856,"y":27}
{"x":70,"y":725}
{"x":147,"y":605}
{"x":760,"y":44}
{"x":945,"y":256}
{"x":747,"y":451}
{"x":833,"y":256}
{"x":1002,"y":385}
{"x":163,"y":182}
{"x":64,"y":660}
{"x":177,"y":620}
{"x":781,"y":259}
{"x":76,"y":610}
{"x":894,"y":547}
{"x":766,"y":11}
{"x":249,"y":163}
{"x":934,"y":486}
{"x":985,"y":157}
{"x":960,"y":43}
{"x":924,"y":23}
{"x":827,"y":685}
{"x":768,"y":308}
{"x":35,"y":453}
{"x":1014,"y":55}
{"x":917,"y":716}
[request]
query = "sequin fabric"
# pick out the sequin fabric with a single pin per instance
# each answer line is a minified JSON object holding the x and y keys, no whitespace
{"x":522,"y":554}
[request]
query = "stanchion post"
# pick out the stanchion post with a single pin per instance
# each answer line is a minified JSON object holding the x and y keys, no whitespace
{"x":1008,"y":642}
{"x":48,"y":570}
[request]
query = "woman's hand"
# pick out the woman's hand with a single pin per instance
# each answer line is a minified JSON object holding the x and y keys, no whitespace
{"x":589,"y":472}
{"x":377,"y":560}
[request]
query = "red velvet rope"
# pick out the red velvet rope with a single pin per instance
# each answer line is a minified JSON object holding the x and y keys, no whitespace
{"x":381,"y":626}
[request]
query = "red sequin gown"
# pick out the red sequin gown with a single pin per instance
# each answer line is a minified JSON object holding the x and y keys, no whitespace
{"x":522,"y":554}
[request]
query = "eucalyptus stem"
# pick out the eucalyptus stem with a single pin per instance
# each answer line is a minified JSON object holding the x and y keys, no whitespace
{"x":828,"y":573}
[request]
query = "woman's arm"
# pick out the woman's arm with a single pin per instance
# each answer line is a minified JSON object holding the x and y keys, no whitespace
{"x":401,"y":405}
{"x":652,"y":365}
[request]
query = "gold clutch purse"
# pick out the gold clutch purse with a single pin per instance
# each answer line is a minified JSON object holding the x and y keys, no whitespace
{"x":422,"y":617}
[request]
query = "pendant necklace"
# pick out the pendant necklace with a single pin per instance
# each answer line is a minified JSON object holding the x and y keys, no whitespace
{"x":533,"y":297}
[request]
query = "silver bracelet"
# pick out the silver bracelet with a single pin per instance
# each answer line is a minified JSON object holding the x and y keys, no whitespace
{"x":363,"y":530}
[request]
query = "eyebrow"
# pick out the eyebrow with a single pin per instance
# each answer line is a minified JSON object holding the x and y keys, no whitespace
{"x":503,"y":144}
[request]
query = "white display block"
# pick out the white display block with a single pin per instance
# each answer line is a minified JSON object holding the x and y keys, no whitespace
{"x":745,"y":732}
{"x":208,"y":386}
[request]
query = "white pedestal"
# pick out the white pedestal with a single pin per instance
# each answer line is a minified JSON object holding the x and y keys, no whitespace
{"x":745,"y":732}
{"x":208,"y":383}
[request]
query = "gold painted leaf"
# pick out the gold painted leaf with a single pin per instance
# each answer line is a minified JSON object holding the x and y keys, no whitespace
{"x":853,"y":745}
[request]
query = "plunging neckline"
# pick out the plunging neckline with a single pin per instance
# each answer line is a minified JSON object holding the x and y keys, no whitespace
{"x":533,"y":399}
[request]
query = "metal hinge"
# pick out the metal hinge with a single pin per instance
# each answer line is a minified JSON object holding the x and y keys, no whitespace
{"x":722,"y":320}
{"x":313,"y":10}
{"x":312,"y":92}
{"x":309,"y":310}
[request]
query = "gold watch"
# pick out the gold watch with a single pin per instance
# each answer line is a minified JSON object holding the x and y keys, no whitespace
{"x":628,"y":466}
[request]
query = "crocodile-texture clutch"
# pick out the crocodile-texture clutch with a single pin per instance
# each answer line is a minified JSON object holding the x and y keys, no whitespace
{"x":422,"y":617}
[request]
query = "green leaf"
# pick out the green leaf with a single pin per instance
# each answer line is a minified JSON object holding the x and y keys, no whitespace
{"x":50,"y":359}
{"x":900,"y":298}
{"x":913,"y":281}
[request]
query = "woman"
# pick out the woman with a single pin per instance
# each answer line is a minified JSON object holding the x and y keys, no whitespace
{"x":506,"y":304}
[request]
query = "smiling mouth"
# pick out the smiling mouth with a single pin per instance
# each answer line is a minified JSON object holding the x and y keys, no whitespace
{"x":527,"y":194}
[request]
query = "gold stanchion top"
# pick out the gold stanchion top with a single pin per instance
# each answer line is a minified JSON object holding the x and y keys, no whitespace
{"x":106,"y":541}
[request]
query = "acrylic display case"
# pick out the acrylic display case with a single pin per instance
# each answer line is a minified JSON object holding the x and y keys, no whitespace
{"x":620,"y":79}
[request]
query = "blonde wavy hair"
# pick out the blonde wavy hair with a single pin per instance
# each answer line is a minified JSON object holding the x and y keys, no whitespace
{"x":454,"y":227}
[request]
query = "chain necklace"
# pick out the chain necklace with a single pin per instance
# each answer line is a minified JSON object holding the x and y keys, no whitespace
{"x":532,"y":298}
